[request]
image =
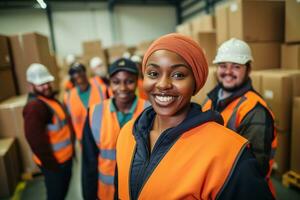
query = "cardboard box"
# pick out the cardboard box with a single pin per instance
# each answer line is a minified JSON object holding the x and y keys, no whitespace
{"x":256,"y":77}
{"x":142,"y":47}
{"x":12,"y":125}
{"x":290,"y":56}
{"x":19,"y":64}
{"x":277,"y":90}
{"x":207,"y":40}
{"x":211,"y":82}
{"x":282,"y":155}
{"x":27,"y":49}
{"x":295,"y":138}
{"x":292,"y":16}
{"x":256,"y":21}
{"x":202,"y":23}
{"x":185,"y":29}
{"x":266,"y":55}
{"x":4,"y":52}
{"x":7,"y":83}
{"x":115,"y":52}
{"x":222,"y":23}
{"x":9,"y":167}
{"x":91,"y":47}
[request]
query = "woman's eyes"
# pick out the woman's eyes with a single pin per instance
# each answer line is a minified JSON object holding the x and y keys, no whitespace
{"x":152,"y":74}
{"x":175,"y":75}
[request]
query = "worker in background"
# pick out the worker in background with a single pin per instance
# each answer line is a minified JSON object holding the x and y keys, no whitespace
{"x":173,"y":150}
{"x":102,"y":129}
{"x":242,"y":108}
{"x":68,"y":84}
{"x":140,"y":90}
{"x":82,"y":96}
{"x":100,"y":74}
{"x":48,"y":132}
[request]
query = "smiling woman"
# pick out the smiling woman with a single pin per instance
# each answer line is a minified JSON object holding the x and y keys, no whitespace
{"x":175,"y":143}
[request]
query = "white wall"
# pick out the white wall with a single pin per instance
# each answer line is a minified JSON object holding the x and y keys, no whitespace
{"x":128,"y":25}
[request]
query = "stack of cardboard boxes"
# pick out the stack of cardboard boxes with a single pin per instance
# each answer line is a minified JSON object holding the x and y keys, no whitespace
{"x":6,"y":70}
{"x":276,"y":67}
{"x":16,"y":54}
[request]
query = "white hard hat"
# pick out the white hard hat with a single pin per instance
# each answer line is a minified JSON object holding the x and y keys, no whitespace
{"x":38,"y":74}
{"x":126,"y":55}
{"x":136,"y":59}
{"x":70,"y":59}
{"x":234,"y":50}
{"x":95,"y":62}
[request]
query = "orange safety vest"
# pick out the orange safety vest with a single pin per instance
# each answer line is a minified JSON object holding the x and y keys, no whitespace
{"x":105,"y":129}
{"x":97,"y":81}
{"x":76,"y":108}
{"x":59,"y":133}
{"x":68,"y":85}
{"x":199,"y":164}
{"x":140,"y":90}
{"x":235,"y":112}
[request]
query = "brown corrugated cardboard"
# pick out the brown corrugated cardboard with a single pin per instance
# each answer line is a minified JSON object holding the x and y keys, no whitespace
{"x":12,"y":125}
{"x":7,"y":83}
{"x":203,"y":23}
{"x":19,"y":64}
{"x":266,"y":55}
{"x":211,"y":82}
{"x":222,"y":23}
{"x":292,"y":16}
{"x":207,"y":41}
{"x":277,"y":91}
{"x":4,"y":52}
{"x":9,"y":167}
{"x":142,"y":47}
{"x":295,"y":138}
{"x":256,"y":20}
{"x":290,"y":56}
{"x":282,"y":155}
{"x":115,"y":52}
{"x":256,"y":77}
{"x":27,"y":49}
{"x":185,"y":29}
{"x":91,"y":47}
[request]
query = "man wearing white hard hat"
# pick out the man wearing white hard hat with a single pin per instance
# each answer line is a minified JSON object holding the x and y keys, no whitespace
{"x":241,"y":107}
{"x":100,"y":74}
{"x":48,"y":132}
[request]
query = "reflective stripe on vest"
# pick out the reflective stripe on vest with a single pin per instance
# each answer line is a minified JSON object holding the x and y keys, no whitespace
{"x":201,"y":170}
{"x":105,"y":130}
{"x":231,"y":124}
{"x":78,"y":111}
{"x":99,"y":88}
{"x":59,"y":132}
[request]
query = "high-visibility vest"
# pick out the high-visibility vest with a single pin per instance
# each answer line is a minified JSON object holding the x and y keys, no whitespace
{"x":97,"y":81}
{"x":105,"y":129}
{"x":197,"y":166}
{"x":59,"y":133}
{"x":77,"y":109}
{"x":235,"y":112}
{"x":140,"y":90}
{"x":68,"y":85}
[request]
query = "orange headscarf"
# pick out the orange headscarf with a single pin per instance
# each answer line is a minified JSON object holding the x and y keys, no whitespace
{"x":188,"y":49}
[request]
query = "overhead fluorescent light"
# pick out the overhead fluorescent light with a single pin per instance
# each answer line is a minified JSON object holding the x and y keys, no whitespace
{"x":42,"y":4}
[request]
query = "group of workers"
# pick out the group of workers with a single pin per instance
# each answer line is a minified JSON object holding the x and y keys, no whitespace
{"x":141,"y":137}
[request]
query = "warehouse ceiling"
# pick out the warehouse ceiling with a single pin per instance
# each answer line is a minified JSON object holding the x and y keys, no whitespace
{"x":7,"y":4}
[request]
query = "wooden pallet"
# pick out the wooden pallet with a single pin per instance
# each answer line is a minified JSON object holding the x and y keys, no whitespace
{"x":291,"y":178}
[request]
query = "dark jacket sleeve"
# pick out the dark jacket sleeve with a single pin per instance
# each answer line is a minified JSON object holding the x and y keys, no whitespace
{"x":90,"y":154}
{"x":36,"y":116}
{"x":246,"y":181}
{"x":258,"y":128}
